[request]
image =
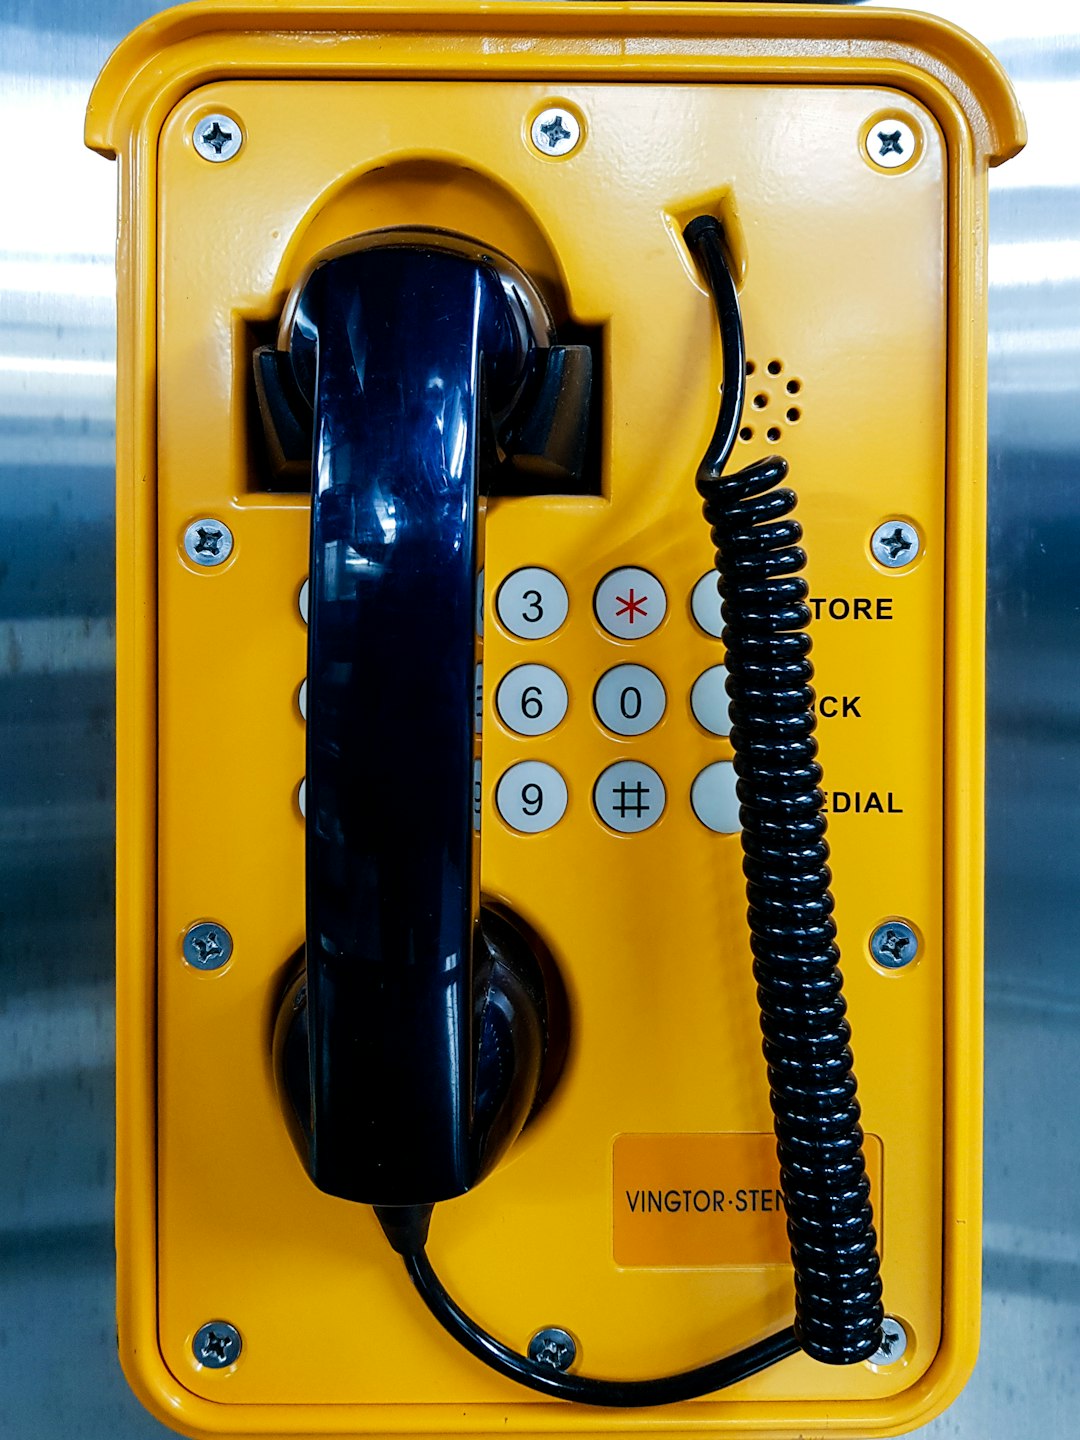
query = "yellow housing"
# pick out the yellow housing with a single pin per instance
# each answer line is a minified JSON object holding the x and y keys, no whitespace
{"x":863,"y":291}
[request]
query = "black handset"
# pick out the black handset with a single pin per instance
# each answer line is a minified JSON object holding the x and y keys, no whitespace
{"x":415,"y":1038}
{"x":411,"y":1067}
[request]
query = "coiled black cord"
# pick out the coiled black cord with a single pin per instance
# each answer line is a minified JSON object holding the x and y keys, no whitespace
{"x":838,"y":1309}
{"x":823,"y":1174}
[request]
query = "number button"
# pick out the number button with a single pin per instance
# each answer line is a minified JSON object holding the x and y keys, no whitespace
{"x":531,"y":797}
{"x":531,"y":700}
{"x":705,"y":605}
{"x":629,"y":796}
{"x":709,"y":701}
{"x":630,"y":603}
{"x":630,"y":700}
{"x":532,"y":603}
{"x":714,"y":799}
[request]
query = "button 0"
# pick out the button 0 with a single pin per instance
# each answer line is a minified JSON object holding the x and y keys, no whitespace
{"x":630,"y":700}
{"x":709,"y":701}
{"x":629,"y":796}
{"x":531,"y":797}
{"x":714,"y":799}
{"x":531,"y":699}
{"x":532,"y":603}
{"x":630,"y":603}
{"x":705,"y":605}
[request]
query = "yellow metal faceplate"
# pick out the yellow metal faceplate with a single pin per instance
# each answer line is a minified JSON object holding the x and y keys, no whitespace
{"x":845,"y":291}
{"x":860,"y":292}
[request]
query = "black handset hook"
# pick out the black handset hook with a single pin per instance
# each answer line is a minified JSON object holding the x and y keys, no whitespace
{"x":424,"y":1043}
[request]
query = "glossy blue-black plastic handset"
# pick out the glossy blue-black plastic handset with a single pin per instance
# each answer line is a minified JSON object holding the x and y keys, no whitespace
{"x":414,"y":1044}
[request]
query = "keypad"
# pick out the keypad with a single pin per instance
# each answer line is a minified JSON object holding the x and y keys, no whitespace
{"x":630,"y":603}
{"x":709,"y":701}
{"x":705,"y":605}
{"x":629,"y":796}
{"x":714,"y":800}
{"x":628,"y":700}
{"x":531,"y":797}
{"x":531,"y":700}
{"x":532,"y":603}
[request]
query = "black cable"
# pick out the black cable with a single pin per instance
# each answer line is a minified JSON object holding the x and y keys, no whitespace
{"x":585,"y":1389}
{"x":838,"y":1309}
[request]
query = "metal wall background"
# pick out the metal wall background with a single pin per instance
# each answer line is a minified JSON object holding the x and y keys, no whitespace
{"x":58,"y":1370}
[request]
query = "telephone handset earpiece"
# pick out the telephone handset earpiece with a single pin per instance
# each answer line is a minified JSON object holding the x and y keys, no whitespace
{"x":424,"y":356}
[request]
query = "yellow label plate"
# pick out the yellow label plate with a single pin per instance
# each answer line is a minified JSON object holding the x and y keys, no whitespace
{"x":706,"y":1201}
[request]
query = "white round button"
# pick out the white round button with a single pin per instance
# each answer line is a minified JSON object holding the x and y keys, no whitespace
{"x":531,"y":797}
{"x":301,"y":698}
{"x":480,"y":605}
{"x":629,"y":796}
{"x":630,"y":603}
{"x":477,"y":794}
{"x":302,"y":600}
{"x":531,"y":699}
{"x":532,"y":603}
{"x":709,"y":701}
{"x":301,"y":797}
{"x":714,"y":800}
{"x":705,"y":605}
{"x":630,"y":700}
{"x":478,"y":699}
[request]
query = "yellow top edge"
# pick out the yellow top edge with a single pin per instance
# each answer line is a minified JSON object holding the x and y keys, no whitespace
{"x":142,"y":66}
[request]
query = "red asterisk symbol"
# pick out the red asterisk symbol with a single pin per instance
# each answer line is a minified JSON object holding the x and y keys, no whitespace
{"x":630,"y":606}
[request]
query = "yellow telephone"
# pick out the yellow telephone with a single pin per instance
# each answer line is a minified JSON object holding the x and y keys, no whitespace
{"x":444,"y":783}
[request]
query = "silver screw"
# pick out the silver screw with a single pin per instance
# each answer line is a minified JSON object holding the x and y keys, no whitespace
{"x":208,"y":541}
{"x":893,"y":1342}
{"x":895,"y":544}
{"x":553,"y":1347}
{"x":217,"y":1344}
{"x":217,"y":138}
{"x":894,"y":944}
{"x":555,"y":131}
{"x":890,"y":143}
{"x":207,"y":946}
